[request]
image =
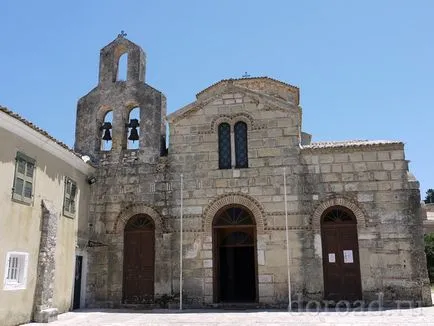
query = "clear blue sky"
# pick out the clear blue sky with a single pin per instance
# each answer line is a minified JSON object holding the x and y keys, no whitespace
{"x":365,"y":68}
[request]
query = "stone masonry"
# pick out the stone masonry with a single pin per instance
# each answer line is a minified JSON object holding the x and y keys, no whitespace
{"x":44,"y":311}
{"x":369,"y":178}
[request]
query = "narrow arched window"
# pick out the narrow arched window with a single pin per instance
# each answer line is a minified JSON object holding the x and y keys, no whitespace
{"x":123,"y":67}
{"x":106,"y":132}
{"x":133,"y":129}
{"x":241,"y":153}
{"x":224,"y":134}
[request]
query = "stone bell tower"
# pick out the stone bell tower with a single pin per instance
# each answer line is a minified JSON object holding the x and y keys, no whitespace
{"x":106,"y":127}
{"x":121,"y":127}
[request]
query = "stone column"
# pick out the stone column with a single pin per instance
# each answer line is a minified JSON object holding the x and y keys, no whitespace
{"x":43,"y":309}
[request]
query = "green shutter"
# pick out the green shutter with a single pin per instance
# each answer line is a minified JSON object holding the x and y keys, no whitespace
{"x":69,"y":197}
{"x":24,"y":176}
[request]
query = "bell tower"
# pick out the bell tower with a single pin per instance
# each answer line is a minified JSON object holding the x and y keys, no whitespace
{"x":121,"y":115}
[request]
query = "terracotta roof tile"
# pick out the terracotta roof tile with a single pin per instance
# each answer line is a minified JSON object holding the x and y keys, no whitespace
{"x":350,"y":143}
{"x":39,"y":130}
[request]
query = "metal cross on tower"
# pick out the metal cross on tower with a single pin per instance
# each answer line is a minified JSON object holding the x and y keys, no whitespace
{"x":122,"y":34}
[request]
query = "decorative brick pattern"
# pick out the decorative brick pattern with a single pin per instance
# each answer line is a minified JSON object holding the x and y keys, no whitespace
{"x":337,"y":201}
{"x":134,"y":209}
{"x":230,"y":199}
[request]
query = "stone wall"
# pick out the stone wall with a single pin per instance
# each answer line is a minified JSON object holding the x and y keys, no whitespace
{"x":428,"y":214}
{"x":375,"y":183}
{"x":128,"y":181}
{"x":43,"y":306}
{"x":273,"y":137}
{"x":120,"y":97}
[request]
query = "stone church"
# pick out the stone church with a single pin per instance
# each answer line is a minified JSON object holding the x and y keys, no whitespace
{"x":353,"y":208}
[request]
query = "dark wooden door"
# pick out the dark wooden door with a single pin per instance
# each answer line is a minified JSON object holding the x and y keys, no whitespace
{"x":341,"y":262}
{"x":139,"y":266}
{"x":77,"y":281}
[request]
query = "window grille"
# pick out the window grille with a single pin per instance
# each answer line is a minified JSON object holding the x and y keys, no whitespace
{"x":241,"y":153}
{"x":224,"y":138}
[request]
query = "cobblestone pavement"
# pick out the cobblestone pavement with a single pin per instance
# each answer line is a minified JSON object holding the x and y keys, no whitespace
{"x":417,"y":316}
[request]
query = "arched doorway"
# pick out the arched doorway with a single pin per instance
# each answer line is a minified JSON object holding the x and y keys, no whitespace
{"x":234,"y":255}
{"x":139,"y":257}
{"x":340,"y":248}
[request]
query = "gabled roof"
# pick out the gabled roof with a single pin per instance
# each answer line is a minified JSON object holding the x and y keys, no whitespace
{"x":120,"y":40}
{"x":290,"y":87}
{"x":239,"y":85}
{"x":39,"y":130}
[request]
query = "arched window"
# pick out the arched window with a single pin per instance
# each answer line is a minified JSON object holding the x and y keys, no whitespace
{"x":224,"y":134}
{"x":133,"y":129}
{"x":106,"y":134}
{"x":338,"y":214}
{"x":233,"y":216}
{"x":241,"y":154}
{"x":123,"y":67}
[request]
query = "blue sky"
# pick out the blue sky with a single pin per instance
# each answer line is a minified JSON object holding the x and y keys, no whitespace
{"x":365,"y":68}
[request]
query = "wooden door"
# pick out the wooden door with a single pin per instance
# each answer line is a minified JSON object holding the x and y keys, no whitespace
{"x":139,"y":255}
{"x":341,"y":263}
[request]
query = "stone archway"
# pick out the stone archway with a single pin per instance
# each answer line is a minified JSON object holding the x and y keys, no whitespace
{"x":338,"y":201}
{"x":244,"y":200}
{"x":135,"y":209}
{"x":340,"y":251}
{"x":317,"y":277}
{"x":235,"y":267}
{"x":139,"y":260}
{"x":117,"y":248}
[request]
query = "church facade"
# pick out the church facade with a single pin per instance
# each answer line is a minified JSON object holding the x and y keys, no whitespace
{"x":353,"y":208}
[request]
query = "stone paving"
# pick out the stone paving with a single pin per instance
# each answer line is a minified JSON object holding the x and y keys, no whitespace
{"x":423,"y":316}
{"x":415,"y":316}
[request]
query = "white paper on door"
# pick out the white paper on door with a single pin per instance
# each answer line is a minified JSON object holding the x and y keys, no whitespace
{"x":332,"y":258}
{"x":348,"y":257}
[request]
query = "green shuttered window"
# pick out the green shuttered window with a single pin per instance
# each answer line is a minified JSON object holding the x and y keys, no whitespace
{"x":24,"y":178}
{"x":69,"y":197}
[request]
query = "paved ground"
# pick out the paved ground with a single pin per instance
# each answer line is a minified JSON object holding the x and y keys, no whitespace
{"x":418,"y":316}
{"x":415,"y":316}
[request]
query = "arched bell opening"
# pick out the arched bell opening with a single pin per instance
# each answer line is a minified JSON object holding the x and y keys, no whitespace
{"x":133,"y":129}
{"x":340,"y":247}
{"x":139,"y":260}
{"x":234,"y":255}
{"x":122,"y":67}
{"x":106,"y":132}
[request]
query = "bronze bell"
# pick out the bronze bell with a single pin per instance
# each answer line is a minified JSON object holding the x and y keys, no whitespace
{"x":134,"y":134}
{"x":107,"y":134}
